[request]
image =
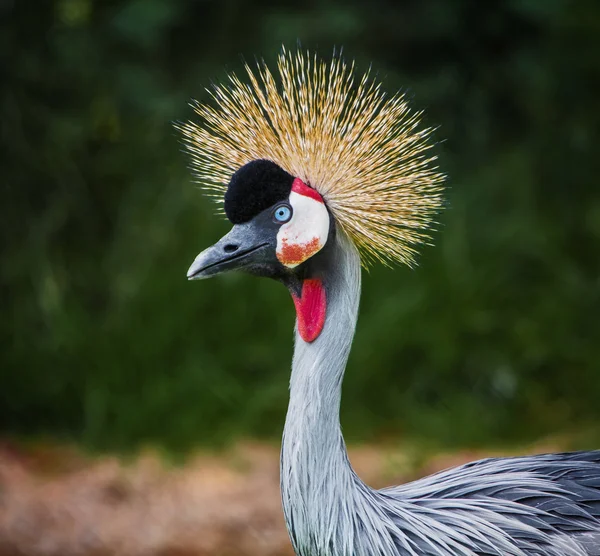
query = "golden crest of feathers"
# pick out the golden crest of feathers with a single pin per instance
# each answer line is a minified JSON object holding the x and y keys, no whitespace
{"x":362,"y":150}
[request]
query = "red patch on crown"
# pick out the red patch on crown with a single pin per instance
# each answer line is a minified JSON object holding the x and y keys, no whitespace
{"x":311,"y":307}
{"x":298,"y":186}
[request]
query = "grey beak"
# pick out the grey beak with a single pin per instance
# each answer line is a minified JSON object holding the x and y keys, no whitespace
{"x":243,"y":245}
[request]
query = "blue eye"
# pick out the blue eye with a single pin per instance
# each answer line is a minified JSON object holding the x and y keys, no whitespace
{"x":282,"y":213}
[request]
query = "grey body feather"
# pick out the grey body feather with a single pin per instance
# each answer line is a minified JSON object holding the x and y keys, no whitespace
{"x":547,"y":505}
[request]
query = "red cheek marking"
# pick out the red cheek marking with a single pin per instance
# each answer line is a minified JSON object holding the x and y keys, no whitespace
{"x":296,"y":253}
{"x":311,"y":307}
{"x":298,"y":186}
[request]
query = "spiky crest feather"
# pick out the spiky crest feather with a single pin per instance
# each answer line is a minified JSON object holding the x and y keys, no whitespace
{"x":361,"y":149}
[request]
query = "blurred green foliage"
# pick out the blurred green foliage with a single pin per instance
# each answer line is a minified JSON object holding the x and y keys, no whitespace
{"x":496,"y":335}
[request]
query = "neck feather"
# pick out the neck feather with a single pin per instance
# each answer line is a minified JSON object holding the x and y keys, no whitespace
{"x":317,"y":480}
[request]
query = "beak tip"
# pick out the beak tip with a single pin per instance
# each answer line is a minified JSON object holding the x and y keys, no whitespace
{"x":200,"y":268}
{"x":193,"y":276}
{"x":194,"y":271}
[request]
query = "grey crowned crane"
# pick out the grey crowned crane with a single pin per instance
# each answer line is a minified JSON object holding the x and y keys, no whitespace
{"x":320,"y":173}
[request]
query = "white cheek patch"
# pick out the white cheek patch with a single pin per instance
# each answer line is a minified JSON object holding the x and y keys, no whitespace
{"x":305,"y":234}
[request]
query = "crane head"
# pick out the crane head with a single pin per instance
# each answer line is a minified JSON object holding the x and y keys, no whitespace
{"x":319,"y":149}
{"x":365,"y":152}
{"x":279,"y":222}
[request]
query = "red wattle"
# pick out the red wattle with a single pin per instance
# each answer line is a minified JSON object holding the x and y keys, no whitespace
{"x":298,"y":186}
{"x":311,"y":307}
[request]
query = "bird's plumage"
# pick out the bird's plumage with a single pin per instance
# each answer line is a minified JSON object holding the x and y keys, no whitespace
{"x":544,"y":505}
{"x":365,"y":156}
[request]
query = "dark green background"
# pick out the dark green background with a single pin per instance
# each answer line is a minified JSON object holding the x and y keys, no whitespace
{"x":495,"y":336}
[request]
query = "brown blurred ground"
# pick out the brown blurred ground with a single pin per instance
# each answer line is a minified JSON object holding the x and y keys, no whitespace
{"x":57,"y":502}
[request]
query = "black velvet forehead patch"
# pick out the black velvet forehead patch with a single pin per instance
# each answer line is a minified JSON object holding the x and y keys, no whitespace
{"x":255,"y":187}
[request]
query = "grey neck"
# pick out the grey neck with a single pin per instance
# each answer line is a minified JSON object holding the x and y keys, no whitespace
{"x":329,"y":511}
{"x":317,"y":481}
